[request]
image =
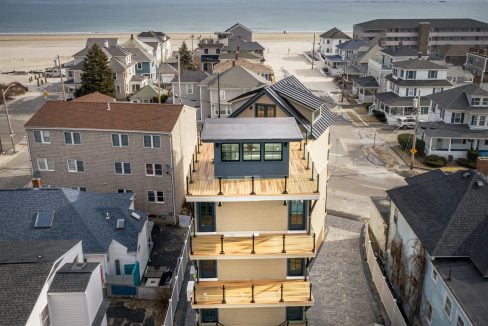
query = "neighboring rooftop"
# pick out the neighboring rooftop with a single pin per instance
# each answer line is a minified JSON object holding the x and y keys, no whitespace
{"x":140,"y":55}
{"x":418,"y":64}
{"x":401,"y":52}
{"x":191,"y":76}
{"x":257,"y":68}
{"x":367,"y":82}
{"x":109,"y":116}
{"x":418,"y":82}
{"x":235,"y":44}
{"x":251,"y":129}
{"x":352,"y":44}
{"x":451,"y":130}
{"x":25,"y":266}
{"x":456,"y":98}
{"x":236,"y":77}
{"x":148,"y":92}
{"x":72,"y":277}
{"x":241,"y":55}
{"x":450,"y":23}
{"x":160,"y":36}
{"x":335,"y":33}
{"x":393,"y":100}
{"x":238,"y":25}
{"x":95,"y":97}
{"x":76,"y":215}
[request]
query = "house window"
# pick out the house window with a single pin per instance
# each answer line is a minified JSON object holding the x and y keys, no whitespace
{"x":230,"y":152}
{"x":457,"y":117}
{"x":76,"y":166}
{"x":296,"y":267}
{"x":45,"y":319}
{"x":273,"y":151}
{"x":70,"y":74}
{"x":411,"y":91}
{"x":222,"y":94}
{"x":45,"y":164}
{"x":152,"y":141}
{"x":460,"y":321}
{"x":207,"y":268}
{"x":205,"y":51}
{"x":209,"y":315}
{"x":114,"y":77}
{"x":429,"y":312}
{"x":432,"y":74}
{"x":411,"y":74}
{"x":434,"y":273}
{"x":122,"y":168}
{"x":265,"y":110}
{"x":42,"y":136}
{"x":153,"y":169}
{"x":139,"y":65}
{"x":424,"y":110}
{"x":189,"y":88}
{"x":296,"y":213}
{"x":72,"y":138}
{"x":217,"y":51}
{"x":154,"y":196}
{"x":120,"y":140}
{"x":475,"y":101}
{"x":117,"y":267}
{"x":224,"y":109}
{"x":485,"y":101}
{"x":251,"y":152}
{"x":448,"y":307}
{"x":79,"y":188}
{"x":124,"y":191}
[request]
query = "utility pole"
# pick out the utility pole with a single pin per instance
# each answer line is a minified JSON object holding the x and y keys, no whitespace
{"x":8,"y":117}
{"x":61,"y":77}
{"x":218,"y":92}
{"x":313,"y":50}
{"x":413,"y":150}
{"x":179,"y":77}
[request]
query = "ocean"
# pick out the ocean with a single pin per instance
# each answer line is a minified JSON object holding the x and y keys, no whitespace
{"x":112,"y":16}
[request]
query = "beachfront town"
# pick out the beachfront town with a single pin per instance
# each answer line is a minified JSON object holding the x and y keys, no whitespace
{"x":225,"y":180}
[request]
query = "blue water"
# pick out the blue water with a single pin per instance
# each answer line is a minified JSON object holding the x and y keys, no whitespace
{"x":71,"y":16}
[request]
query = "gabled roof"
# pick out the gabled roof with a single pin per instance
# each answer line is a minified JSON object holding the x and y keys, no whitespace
{"x":139,"y":55}
{"x":448,"y":214}
{"x":236,"y":25}
{"x":393,"y":100}
{"x":401,"y":52}
{"x":95,"y":97}
{"x":235,"y":42}
{"x":457,"y":99}
{"x":244,"y":55}
{"x":112,"y":41}
{"x":257,"y":68}
{"x":160,"y":36}
{"x":147,"y":92}
{"x":77,"y":215}
{"x":109,"y":116}
{"x":236,"y":77}
{"x":25,"y":266}
{"x":418,"y":64}
{"x":352,"y":44}
{"x":191,"y":76}
{"x":418,"y":82}
{"x":283,"y":93}
{"x":135,"y":43}
{"x":166,"y":68}
{"x":71,"y":278}
{"x":335,"y":33}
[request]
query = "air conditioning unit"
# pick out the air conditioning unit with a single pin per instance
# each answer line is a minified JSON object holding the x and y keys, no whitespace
{"x":189,"y":290}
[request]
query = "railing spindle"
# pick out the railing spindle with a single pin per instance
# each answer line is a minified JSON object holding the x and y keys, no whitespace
{"x":187,"y":187}
{"x":308,"y":161}
{"x":311,"y":179}
{"x":252,"y":186}
{"x":286,"y":183}
{"x":191,"y":246}
{"x":313,"y":249}
{"x":193,"y":161}
{"x":198,"y":273}
{"x":220,"y":187}
{"x":191,"y":180}
{"x":223,"y":294}
{"x":253,"y":252}
{"x":281,"y":293}
{"x":222,"y":244}
{"x":318,"y":182}
{"x":197,"y":151}
{"x":283,"y":251}
{"x":194,"y":294}
{"x":310,"y":294}
{"x":252,"y":293}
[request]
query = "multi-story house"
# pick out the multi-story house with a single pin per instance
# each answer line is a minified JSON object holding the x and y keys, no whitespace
{"x":477,"y":64}
{"x":437,"y":253}
{"x":159,"y":42}
{"x":145,"y":149}
{"x":330,"y":39}
{"x":185,"y":88}
{"x":146,"y":64}
{"x":262,"y":70}
{"x":457,"y":122}
{"x":120,"y":61}
{"x":240,"y":31}
{"x":336,"y":64}
{"x":113,"y":234}
{"x":208,"y":53}
{"x":46,"y":282}
{"x":260,"y":207}
{"x":231,"y":83}
{"x":423,"y":34}
{"x":409,"y":79}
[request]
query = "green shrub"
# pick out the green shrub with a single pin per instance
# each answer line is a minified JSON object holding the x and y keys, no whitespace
{"x":435,"y":161}
{"x":473,"y":155}
{"x":379,"y":115}
{"x":463,"y":162}
{"x":406,"y":141}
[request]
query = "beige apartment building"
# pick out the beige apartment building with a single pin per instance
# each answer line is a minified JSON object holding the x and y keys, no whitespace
{"x":259,"y":194}
{"x":103,"y":146}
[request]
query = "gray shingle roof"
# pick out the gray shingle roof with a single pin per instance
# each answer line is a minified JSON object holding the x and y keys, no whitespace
{"x":335,"y":33}
{"x":78,"y":215}
{"x":243,"y":45}
{"x":392,"y":100}
{"x":139,"y":55}
{"x":456,"y":98}
{"x":368,"y":81}
{"x":243,"y":55}
{"x":236,"y":25}
{"x":401,"y":52}
{"x":191,"y":76}
{"x":25,"y":266}
{"x":413,"y":23}
{"x":446,"y":214}
{"x":458,"y":130}
{"x":352,"y":44}
{"x":418,"y":64}
{"x":72,"y":278}
{"x":418,"y":82}
{"x":236,"y":77}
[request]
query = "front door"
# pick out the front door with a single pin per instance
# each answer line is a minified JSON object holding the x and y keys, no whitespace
{"x":296,"y":214}
{"x":206,"y":217}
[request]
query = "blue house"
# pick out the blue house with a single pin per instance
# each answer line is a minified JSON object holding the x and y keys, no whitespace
{"x":442,"y":217}
{"x":145,"y":63}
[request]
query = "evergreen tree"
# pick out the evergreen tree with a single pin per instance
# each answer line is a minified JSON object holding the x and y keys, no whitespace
{"x":96,"y":75}
{"x":186,"y":58}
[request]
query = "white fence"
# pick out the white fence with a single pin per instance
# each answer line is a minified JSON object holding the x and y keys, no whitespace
{"x":177,"y":281}
{"x":389,"y":302}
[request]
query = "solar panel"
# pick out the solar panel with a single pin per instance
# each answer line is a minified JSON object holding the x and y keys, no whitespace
{"x":44,"y":219}
{"x":120,"y":223}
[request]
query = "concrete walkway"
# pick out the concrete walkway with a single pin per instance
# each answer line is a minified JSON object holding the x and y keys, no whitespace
{"x":341,"y":291}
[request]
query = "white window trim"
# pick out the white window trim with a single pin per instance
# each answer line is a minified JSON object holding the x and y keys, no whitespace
{"x":444,"y":306}
{"x":152,"y":141}
{"x":125,"y":191}
{"x":431,"y":315}
{"x":460,"y":317}
{"x":47,"y":165}
{"x":76,"y":164}
{"x":432,"y":274}
{"x":120,"y":140}
{"x":72,"y":138}
{"x":154,"y":170}
{"x":123,"y":169}
{"x":189,"y":90}
{"x":139,"y":65}
{"x":41,"y":132}
{"x":78,"y":188}
{"x":155,"y":197}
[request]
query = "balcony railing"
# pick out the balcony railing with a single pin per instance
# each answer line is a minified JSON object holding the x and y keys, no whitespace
{"x":264,"y":293}
{"x":252,"y":246}
{"x":127,"y":280}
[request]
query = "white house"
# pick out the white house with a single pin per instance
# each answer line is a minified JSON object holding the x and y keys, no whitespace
{"x":329,"y":41}
{"x":159,"y":42}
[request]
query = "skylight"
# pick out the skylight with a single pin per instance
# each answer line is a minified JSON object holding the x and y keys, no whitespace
{"x":120,"y":223}
{"x":44,"y":219}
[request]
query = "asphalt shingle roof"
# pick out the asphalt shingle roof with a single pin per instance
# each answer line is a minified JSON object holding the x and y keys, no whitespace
{"x":95,"y":97}
{"x":72,"y":278}
{"x":236,"y":77}
{"x":78,"y":215}
{"x":446,"y":214}
{"x":418,"y":82}
{"x":335,"y":33}
{"x":353,"y":44}
{"x":418,"y":64}
{"x":243,"y":45}
{"x":456,"y":98}
{"x":368,"y":81}
{"x":25,"y":266}
{"x":191,"y":76}
{"x":393,"y":100}
{"x":413,"y":23}
{"x":457,"y":130}
{"x":401,"y":52}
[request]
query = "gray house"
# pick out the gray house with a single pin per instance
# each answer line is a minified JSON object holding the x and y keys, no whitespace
{"x":186,"y":90}
{"x":240,"y":31}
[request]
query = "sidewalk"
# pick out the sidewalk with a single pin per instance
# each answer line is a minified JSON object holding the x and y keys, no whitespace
{"x":5,"y":158}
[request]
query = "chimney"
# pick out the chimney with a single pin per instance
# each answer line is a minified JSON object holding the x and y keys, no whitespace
{"x":482,"y":165}
{"x":105,"y":43}
{"x":36,"y":183}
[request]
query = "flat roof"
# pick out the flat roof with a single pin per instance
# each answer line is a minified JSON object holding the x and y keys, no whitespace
{"x":251,"y":129}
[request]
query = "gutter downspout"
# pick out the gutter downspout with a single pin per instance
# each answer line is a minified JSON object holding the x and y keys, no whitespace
{"x":172,"y":177}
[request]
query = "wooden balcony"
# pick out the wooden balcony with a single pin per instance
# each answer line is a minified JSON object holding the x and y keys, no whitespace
{"x":263,"y":246}
{"x":263,"y":293}
{"x":301,"y":183}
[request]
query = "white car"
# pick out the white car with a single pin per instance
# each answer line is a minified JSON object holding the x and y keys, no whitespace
{"x":405,"y":122}
{"x":52,"y":72}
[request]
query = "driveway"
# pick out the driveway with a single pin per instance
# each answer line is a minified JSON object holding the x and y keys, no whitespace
{"x":340,"y":286}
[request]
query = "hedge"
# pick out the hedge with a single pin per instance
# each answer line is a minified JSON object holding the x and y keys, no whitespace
{"x":435,"y":161}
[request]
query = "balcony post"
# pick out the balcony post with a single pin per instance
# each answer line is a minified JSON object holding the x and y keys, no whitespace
{"x":223,"y":294}
{"x":193,"y":161}
{"x":311,"y":179}
{"x":318,"y":182}
{"x":308,"y":161}
{"x":309,"y":226}
{"x":304,"y":150}
{"x":220,"y":187}
{"x":252,"y":293}
{"x":283,"y":251}
{"x":286,"y":181}
{"x":194,"y":228}
{"x":197,"y":151}
{"x":281,"y":293}
{"x":306,"y":137}
{"x":222,"y":244}
{"x":187,"y":187}
{"x":252,"y":186}
{"x":313,"y":249}
{"x":253,"y":252}
{"x":310,"y":293}
{"x":191,"y":179}
{"x":300,"y":146}
{"x":194,"y":294}
{"x":305,"y":271}
{"x":191,"y":246}
{"x":198,"y":147}
{"x":198,"y":273}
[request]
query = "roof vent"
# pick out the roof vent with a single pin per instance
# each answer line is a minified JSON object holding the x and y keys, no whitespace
{"x":107,"y":216}
{"x":120,"y":223}
{"x":480,"y":183}
{"x":78,"y":266}
{"x":135,"y":215}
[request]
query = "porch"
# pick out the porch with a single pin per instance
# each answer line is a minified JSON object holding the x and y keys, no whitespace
{"x":395,"y":106}
{"x":364,"y":89}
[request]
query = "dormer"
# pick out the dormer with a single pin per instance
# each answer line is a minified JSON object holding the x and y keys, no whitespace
{"x":250,"y":147}
{"x":477,"y":100}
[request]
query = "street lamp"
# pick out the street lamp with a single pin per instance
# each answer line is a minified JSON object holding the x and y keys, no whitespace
{"x":8,"y":117}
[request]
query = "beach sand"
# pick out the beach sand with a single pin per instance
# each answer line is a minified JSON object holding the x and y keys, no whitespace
{"x":25,"y":52}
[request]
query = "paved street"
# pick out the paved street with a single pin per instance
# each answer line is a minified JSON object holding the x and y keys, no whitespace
{"x":341,"y":291}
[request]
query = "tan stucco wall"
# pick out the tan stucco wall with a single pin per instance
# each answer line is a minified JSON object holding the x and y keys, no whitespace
{"x":251,"y":269}
{"x":252,"y":216}
{"x":252,"y":316}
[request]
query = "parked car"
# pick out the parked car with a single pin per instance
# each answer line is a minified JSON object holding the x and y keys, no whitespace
{"x":52,"y":72}
{"x":405,"y":122}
